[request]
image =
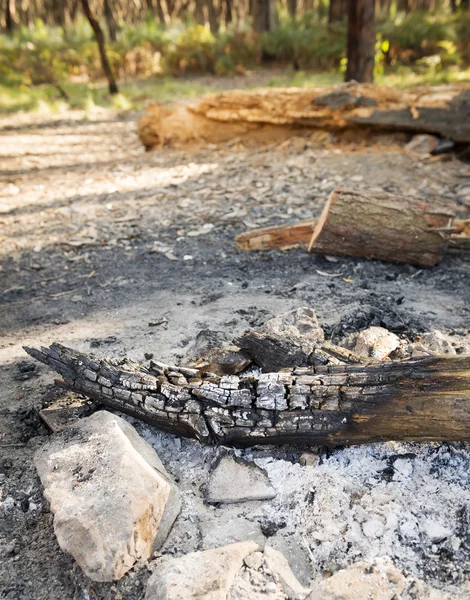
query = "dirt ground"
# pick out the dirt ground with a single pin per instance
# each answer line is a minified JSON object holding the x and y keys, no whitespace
{"x":115,"y":251}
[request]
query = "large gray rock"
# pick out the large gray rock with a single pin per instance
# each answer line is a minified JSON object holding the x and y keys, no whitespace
{"x":110,"y":494}
{"x":236,"y":480}
{"x":206,"y":575}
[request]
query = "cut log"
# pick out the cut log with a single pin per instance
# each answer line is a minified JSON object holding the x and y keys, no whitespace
{"x":377,"y":226}
{"x":263,"y":114}
{"x":420,"y":399}
{"x":384,"y":227}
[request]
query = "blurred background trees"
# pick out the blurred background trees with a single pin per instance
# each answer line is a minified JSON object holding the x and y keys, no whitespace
{"x":54,"y":42}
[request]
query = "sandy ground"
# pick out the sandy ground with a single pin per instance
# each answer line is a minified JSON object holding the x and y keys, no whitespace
{"x":100,"y":241}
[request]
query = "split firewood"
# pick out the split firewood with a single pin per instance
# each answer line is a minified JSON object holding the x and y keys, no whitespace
{"x":378,"y":226}
{"x":267,"y":113}
{"x":417,"y":399}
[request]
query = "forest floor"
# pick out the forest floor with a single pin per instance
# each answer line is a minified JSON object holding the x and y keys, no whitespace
{"x":115,"y":251}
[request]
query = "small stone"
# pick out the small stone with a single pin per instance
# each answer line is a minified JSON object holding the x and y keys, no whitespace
{"x":435,"y":531}
{"x":308,"y":459}
{"x":271,"y":587}
{"x":363,"y":581}
{"x":373,"y":528}
{"x":254,"y":560}
{"x":236,"y":480}
{"x":279,"y":565}
{"x":300,"y":324}
{"x":422,"y":144}
{"x":373,"y":342}
{"x":435,"y":342}
{"x":222,"y":531}
{"x":206,"y":575}
{"x":111,"y":496}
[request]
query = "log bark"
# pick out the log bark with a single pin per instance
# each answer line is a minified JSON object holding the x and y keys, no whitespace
{"x":444,"y":111}
{"x":383,"y":227}
{"x":451,"y":121}
{"x":420,"y":399}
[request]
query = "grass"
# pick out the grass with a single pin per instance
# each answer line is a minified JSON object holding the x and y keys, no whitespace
{"x":135,"y":95}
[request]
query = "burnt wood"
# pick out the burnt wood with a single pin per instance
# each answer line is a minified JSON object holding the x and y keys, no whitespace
{"x":419,"y":399}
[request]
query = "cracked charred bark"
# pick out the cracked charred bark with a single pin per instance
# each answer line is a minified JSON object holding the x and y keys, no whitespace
{"x":420,"y":399}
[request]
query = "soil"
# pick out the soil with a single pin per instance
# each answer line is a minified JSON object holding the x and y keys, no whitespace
{"x":119,"y":252}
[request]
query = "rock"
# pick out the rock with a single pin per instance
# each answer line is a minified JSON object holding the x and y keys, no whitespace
{"x":296,"y":555}
{"x":211,"y":352}
{"x":206,"y":575}
{"x":221,"y":531}
{"x":236,"y":480}
{"x":309,"y":459}
{"x":111,"y":496}
{"x":373,"y":342}
{"x":254,"y":560}
{"x":284,"y":341}
{"x":300,"y":324}
{"x":435,"y":531}
{"x":423,"y":144}
{"x":434,"y":342}
{"x":279,"y":566}
{"x":363,"y":581}
{"x":373,"y":528}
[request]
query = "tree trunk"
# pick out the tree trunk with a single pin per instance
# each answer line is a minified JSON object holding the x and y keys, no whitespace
{"x":361,"y":41}
{"x":263,"y":13}
{"x":228,"y":12}
{"x":213,"y":17}
{"x":292,"y":8}
{"x":10,"y":14}
{"x":113,"y":88}
{"x":420,"y":399}
{"x":110,"y":20}
{"x":336,"y":11}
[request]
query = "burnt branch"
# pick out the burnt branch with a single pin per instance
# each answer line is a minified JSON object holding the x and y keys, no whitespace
{"x":418,"y":399}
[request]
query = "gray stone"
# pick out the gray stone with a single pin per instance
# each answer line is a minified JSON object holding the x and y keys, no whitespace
{"x":434,"y":342}
{"x":224,"y":529}
{"x":279,"y":566}
{"x":300,"y":324}
{"x":110,"y":494}
{"x":206,"y":575}
{"x":422,"y":143}
{"x":297,"y":557}
{"x":236,"y":480}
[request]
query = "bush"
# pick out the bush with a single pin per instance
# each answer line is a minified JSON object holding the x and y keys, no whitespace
{"x":306,"y":43}
{"x":415,"y":36}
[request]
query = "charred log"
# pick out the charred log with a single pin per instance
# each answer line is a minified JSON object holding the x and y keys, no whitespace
{"x":421,"y":399}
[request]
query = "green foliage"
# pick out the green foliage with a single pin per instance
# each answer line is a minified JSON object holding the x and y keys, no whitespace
{"x":415,"y":36}
{"x":306,"y":43}
{"x":39,"y":63}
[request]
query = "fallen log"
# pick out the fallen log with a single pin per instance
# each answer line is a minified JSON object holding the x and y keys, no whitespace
{"x":420,"y":399}
{"x":220,"y":117}
{"x":377,"y":226}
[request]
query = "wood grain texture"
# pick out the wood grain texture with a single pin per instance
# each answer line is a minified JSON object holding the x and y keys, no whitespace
{"x":421,"y":399}
{"x":383,"y":226}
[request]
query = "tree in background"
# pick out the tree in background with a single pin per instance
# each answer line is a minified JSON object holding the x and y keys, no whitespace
{"x":113,"y":88}
{"x":361,"y":41}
